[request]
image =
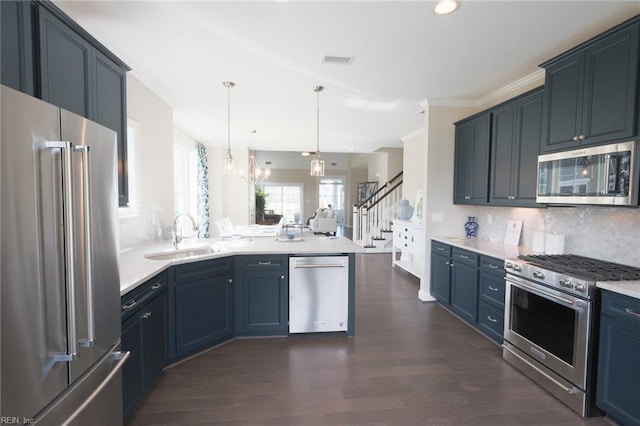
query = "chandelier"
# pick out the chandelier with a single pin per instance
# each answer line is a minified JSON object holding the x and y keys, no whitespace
{"x":228,"y":158}
{"x":255,"y":175}
{"x":317,"y":164}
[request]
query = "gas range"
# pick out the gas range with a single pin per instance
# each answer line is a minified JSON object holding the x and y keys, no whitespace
{"x":569,"y":273}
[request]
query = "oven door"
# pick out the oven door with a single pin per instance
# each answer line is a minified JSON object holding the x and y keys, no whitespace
{"x":550,"y":327}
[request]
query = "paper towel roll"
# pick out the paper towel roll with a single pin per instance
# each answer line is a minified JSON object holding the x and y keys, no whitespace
{"x":537,"y":244}
{"x":554,"y":244}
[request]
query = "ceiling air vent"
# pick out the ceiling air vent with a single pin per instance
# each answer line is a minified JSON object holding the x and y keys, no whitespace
{"x":338,"y":60}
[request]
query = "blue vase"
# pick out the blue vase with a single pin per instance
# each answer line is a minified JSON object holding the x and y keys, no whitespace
{"x":404,"y":209}
{"x":471,"y":227}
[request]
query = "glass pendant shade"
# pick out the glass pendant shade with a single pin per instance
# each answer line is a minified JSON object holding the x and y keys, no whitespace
{"x":317,"y":166}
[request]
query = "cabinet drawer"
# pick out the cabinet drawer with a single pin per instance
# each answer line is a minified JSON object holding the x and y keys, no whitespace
{"x":621,"y":307}
{"x":265,"y":263}
{"x":464,"y":256}
{"x":134,"y":300}
{"x":492,"y":289}
{"x":206,"y":268}
{"x":491,"y":321}
{"x":441,"y":248}
{"x":492,"y":265}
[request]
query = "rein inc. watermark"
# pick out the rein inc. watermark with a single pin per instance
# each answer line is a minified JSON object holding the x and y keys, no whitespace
{"x":12,"y":420}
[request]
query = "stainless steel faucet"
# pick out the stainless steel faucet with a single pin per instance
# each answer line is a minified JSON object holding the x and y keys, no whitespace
{"x":176,"y":238}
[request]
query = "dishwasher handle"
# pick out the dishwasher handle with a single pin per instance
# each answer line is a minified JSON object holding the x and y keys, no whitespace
{"x":319,"y":265}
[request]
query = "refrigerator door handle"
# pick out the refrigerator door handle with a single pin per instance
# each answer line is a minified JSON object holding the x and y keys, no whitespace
{"x":86,"y":199}
{"x":66,"y":149}
{"x":120,"y":358}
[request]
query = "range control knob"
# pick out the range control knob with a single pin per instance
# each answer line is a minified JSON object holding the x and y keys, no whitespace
{"x":517,"y":268}
{"x":566,"y":283}
{"x":539,"y":275}
{"x":508,"y":265}
{"x":579,"y":287}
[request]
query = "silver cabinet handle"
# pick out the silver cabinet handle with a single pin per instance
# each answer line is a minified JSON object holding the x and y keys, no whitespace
{"x":230,"y":281}
{"x":282,"y":277}
{"x":129,"y":305}
{"x":575,"y":138}
{"x":320,"y":265}
{"x":264,"y":263}
{"x":464,"y":256}
{"x":492,"y":319}
{"x":156,"y":286}
{"x":88,"y":258}
{"x":492,"y":288}
{"x":492,"y":266}
{"x":69,"y":247}
{"x":632,"y":312}
{"x":582,"y":137}
{"x":467,"y":197}
{"x":146,"y":315}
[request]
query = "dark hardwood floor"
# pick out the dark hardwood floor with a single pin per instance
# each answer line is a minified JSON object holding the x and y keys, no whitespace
{"x":411,"y":363}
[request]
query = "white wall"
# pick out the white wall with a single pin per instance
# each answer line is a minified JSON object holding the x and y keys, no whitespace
{"x":154,"y":118}
{"x":377,"y":168}
{"x":413,"y":165}
{"x":395,"y":161}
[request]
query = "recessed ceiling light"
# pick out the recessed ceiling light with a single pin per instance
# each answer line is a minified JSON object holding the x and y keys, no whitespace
{"x":445,"y":7}
{"x":305,"y":153}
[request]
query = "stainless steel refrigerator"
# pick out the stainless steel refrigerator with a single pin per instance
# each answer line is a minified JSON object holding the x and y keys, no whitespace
{"x":60,"y":294}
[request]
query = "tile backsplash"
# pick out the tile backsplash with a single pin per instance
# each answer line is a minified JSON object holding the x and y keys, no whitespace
{"x":607,"y":233}
{"x":140,"y":228}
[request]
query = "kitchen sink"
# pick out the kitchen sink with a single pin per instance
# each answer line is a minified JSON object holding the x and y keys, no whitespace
{"x":179,"y":254}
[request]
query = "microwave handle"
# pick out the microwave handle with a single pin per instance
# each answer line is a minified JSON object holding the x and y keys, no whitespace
{"x":605,"y":175}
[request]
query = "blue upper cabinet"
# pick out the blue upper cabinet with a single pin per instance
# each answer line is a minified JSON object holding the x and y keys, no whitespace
{"x":591,"y":91}
{"x":471,"y":168}
{"x":47,"y":55}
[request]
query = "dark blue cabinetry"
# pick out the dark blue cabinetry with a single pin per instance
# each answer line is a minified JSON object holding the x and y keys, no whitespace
{"x":471,"y":167}
{"x":591,"y":91}
{"x":618,"y":372}
{"x":201,"y":306}
{"x":262,"y":295}
{"x":441,"y":272}
{"x":144,"y":335}
{"x":491,"y":301}
{"x":464,"y":285}
{"x":515,"y":141}
{"x":47,"y":55}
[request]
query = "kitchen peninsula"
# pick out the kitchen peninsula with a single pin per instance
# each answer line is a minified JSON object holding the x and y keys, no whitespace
{"x":177,"y":303}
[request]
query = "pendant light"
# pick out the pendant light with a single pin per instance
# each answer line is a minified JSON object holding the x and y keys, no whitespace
{"x":228,"y":158}
{"x":255,"y":175}
{"x":317,"y":164}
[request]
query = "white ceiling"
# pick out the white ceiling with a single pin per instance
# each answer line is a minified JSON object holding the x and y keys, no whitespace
{"x":403,"y":55}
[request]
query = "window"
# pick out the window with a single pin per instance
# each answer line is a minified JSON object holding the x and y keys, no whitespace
{"x":284,"y":199}
{"x":331,"y":192}
{"x":185,"y":175}
{"x":133,"y":138}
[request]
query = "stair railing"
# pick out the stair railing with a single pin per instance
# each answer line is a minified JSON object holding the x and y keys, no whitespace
{"x":372,"y":217}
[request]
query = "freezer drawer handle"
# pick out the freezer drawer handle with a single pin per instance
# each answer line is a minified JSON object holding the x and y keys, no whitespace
{"x":320,"y":265}
{"x":69,"y":247}
{"x":120,"y":358}
{"x":86,"y":199}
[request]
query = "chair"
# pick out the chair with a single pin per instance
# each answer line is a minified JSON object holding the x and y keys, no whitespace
{"x":324,"y":222}
{"x":225,"y":227}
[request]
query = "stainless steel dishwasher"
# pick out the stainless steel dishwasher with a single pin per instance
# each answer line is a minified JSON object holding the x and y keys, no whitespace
{"x":318,"y":294}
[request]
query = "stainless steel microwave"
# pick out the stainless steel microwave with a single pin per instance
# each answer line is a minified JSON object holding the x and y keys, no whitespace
{"x":604,"y":175}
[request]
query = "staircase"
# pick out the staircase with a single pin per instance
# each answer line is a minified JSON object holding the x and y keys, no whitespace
{"x":372,"y":217}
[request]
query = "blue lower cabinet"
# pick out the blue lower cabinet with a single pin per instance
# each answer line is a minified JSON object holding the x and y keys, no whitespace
{"x":491,"y":321}
{"x":202,"y":306}
{"x":618,"y":371}
{"x":144,"y":335}
{"x":262,"y":295}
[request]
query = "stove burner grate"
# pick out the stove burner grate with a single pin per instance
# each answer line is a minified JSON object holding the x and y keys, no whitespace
{"x":592,"y":269}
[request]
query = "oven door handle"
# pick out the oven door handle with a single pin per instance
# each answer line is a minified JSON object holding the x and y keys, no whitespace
{"x":541,"y":292}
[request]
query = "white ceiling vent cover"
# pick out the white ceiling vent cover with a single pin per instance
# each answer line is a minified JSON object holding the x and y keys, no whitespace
{"x":338,"y":60}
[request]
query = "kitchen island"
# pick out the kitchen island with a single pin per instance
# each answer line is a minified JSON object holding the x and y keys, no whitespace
{"x":177,"y":303}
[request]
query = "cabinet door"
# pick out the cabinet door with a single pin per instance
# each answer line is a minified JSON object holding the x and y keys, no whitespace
{"x":611,"y":85}
{"x":66,"y":69}
{"x":17,"y":46}
{"x":202,"y":313}
{"x":441,"y":279}
{"x":563,"y":102}
{"x":618,"y":372}
{"x":464,"y":292}
{"x":109,"y":109}
{"x":265,"y":298}
{"x":133,"y":369}
{"x":154,"y":316}
{"x":529,"y":134}
{"x":471,"y":163}
{"x":503,"y":147}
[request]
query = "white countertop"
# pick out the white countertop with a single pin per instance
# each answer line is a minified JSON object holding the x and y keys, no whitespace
{"x":488,"y":248}
{"x":627,"y":288}
{"x":135,"y":268}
